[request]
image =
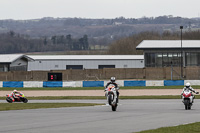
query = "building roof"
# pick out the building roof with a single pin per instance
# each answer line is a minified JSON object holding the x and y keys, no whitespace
{"x":168,"y":44}
{"x":9,"y":58}
{"x":86,"y":57}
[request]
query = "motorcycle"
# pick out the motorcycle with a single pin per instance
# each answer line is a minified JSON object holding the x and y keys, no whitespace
{"x":111,"y":95}
{"x":18,"y":98}
{"x":187,"y":98}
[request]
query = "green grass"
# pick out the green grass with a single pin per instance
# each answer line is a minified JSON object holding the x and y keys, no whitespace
{"x":21,"y":106}
{"x":189,"y":128}
{"x":96,"y":88}
{"x":102,"y":97}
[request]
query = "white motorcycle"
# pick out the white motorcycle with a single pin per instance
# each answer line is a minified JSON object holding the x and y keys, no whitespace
{"x":187,"y":98}
{"x":111,"y":95}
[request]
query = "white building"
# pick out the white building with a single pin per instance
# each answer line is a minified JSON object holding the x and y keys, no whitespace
{"x":63,"y":62}
{"x":14,"y":62}
{"x":164,"y":53}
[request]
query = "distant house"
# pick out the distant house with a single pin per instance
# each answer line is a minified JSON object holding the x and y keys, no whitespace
{"x":14,"y":62}
{"x":163,"y":53}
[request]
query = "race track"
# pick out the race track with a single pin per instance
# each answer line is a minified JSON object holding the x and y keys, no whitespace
{"x":131,"y":116}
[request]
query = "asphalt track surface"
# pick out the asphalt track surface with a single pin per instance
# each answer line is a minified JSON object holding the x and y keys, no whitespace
{"x":131,"y":116}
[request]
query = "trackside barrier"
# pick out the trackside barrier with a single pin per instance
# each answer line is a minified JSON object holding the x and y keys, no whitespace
{"x":173,"y":82}
{"x":119,"y":82}
{"x":52,"y":84}
{"x":93,"y":83}
{"x":1,"y":84}
{"x":15,"y":84}
{"x":72,"y":84}
{"x":192,"y":82}
{"x":134,"y":83}
{"x":154,"y":83}
{"x":33,"y":84}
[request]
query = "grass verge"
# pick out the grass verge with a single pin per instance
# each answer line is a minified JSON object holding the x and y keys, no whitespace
{"x":96,"y":88}
{"x":103,"y":97}
{"x":21,"y":106}
{"x":189,"y":128}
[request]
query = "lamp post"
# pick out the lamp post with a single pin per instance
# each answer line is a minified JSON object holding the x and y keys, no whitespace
{"x":181,"y":27}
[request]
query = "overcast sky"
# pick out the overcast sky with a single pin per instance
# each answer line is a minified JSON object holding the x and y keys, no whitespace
{"x":32,"y":9}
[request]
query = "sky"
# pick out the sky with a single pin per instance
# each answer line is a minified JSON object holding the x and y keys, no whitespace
{"x":34,"y":9}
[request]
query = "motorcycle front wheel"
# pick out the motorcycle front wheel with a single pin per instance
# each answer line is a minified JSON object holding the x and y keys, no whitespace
{"x":25,"y":100}
{"x":114,"y":108}
{"x":187,"y":104}
{"x":110,"y":99}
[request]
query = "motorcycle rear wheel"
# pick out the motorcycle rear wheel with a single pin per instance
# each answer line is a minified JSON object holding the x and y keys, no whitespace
{"x":9,"y":100}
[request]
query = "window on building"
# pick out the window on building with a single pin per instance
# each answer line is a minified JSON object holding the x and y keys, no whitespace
{"x":159,"y":60}
{"x":162,"y":59}
{"x":74,"y":66}
{"x":106,"y":66}
{"x":192,"y":59}
{"x":150,"y":60}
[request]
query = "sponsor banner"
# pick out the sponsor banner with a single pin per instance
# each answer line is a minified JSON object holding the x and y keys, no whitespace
{"x":154,"y":82}
{"x":14,"y":84}
{"x":52,"y":84}
{"x":93,"y":83}
{"x":134,"y":83}
{"x":33,"y":84}
{"x":192,"y":82}
{"x":173,"y":82}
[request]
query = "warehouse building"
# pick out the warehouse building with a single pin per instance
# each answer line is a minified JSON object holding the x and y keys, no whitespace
{"x":63,"y":62}
{"x":14,"y":62}
{"x":164,"y":53}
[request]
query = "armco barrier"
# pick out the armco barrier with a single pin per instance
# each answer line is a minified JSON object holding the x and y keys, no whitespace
{"x":14,"y":84}
{"x":134,"y":83}
{"x":93,"y":83}
{"x":52,"y":84}
{"x":173,"y":82}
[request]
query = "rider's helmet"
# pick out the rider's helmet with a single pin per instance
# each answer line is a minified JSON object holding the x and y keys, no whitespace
{"x":187,"y":85}
{"x":112,"y":79}
{"x":14,"y":91}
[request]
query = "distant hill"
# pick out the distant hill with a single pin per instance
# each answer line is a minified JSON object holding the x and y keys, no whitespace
{"x":99,"y":31}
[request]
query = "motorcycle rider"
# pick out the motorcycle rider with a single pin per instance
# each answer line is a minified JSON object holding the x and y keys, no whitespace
{"x":112,"y":81}
{"x":188,"y":86}
{"x":13,"y":94}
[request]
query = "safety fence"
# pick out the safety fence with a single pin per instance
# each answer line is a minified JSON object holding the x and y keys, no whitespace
{"x":25,"y":84}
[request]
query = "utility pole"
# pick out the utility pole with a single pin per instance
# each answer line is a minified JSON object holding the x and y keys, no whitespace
{"x":181,"y":27}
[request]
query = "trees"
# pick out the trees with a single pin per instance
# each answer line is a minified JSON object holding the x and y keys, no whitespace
{"x":128,"y":45}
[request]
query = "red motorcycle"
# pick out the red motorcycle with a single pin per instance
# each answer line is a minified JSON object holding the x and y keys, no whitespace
{"x":18,"y":98}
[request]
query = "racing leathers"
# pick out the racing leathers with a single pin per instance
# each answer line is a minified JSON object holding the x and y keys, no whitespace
{"x":13,"y":95}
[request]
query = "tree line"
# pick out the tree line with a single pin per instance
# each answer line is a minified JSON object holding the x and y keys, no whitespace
{"x":12,"y":42}
{"x":127,"y":46}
